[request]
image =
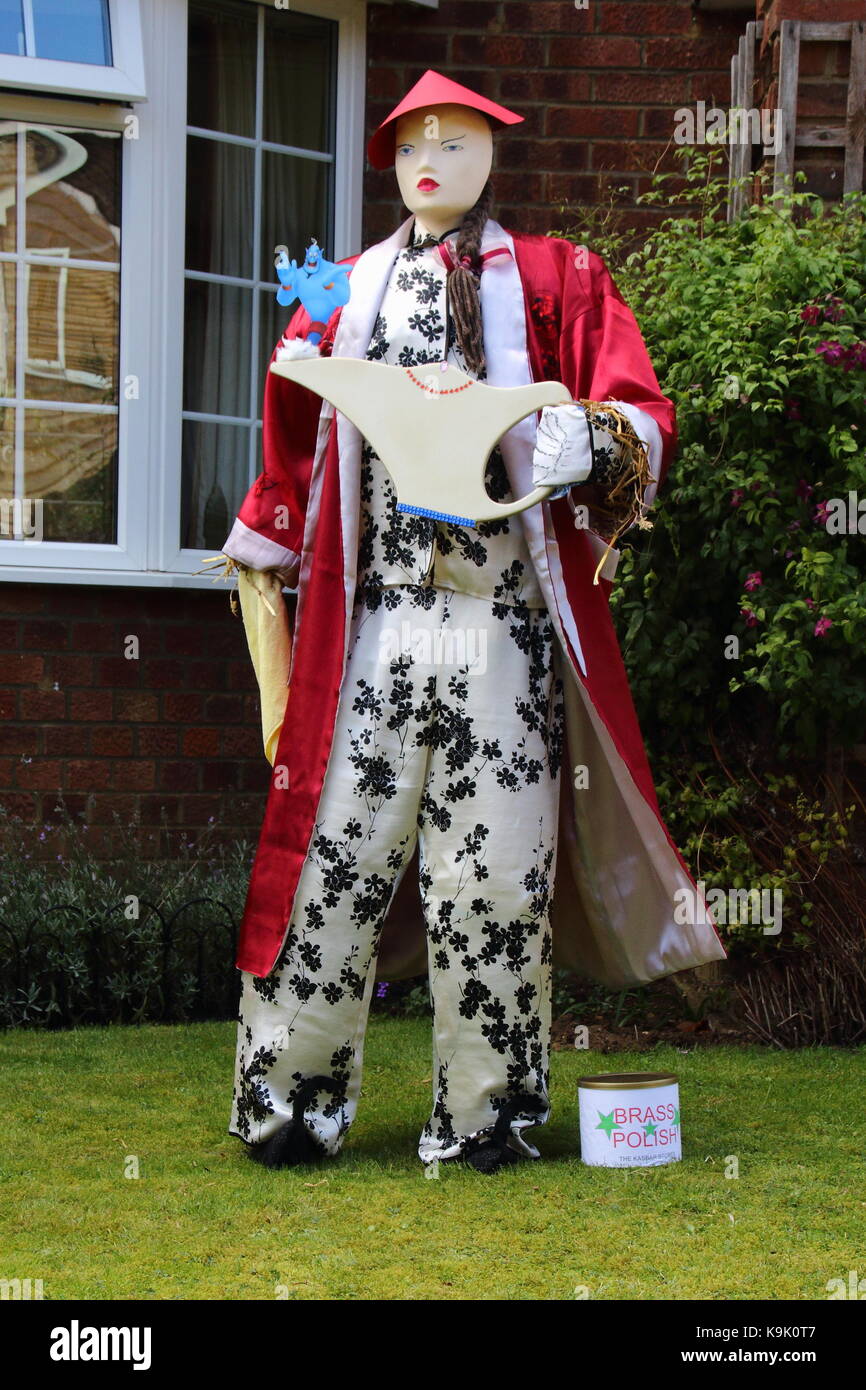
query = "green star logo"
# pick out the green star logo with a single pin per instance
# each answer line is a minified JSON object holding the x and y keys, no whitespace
{"x":606,"y":1122}
{"x":649,"y":1129}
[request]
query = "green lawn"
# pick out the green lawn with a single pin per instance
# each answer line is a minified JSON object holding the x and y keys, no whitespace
{"x":201,"y":1221}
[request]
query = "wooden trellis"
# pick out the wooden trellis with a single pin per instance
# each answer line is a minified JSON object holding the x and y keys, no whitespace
{"x":849,"y":136}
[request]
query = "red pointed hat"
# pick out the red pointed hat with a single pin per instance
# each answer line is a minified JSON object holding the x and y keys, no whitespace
{"x":432,"y":89}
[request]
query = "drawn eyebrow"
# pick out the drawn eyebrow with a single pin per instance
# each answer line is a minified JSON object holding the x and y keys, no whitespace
{"x":447,"y":140}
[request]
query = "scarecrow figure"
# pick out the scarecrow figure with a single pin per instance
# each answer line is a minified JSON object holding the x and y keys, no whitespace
{"x":459,"y":780}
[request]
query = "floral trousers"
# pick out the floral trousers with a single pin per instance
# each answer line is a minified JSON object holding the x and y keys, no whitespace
{"x":450,"y":732}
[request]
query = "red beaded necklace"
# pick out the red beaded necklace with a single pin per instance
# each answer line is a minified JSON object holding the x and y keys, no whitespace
{"x":448,"y":391}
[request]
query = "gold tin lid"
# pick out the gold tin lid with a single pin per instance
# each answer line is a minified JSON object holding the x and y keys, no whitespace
{"x":627,"y":1080}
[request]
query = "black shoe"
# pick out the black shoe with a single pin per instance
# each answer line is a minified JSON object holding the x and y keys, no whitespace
{"x":489,"y":1155}
{"x":294,"y":1143}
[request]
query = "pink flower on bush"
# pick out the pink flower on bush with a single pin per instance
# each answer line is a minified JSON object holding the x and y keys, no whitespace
{"x":804,"y":490}
{"x":788,"y":554}
{"x":811,"y":313}
{"x":754,"y":580}
{"x":851,"y":358}
{"x":821,"y":512}
{"x":822,"y":625}
{"x":810,"y":602}
{"x":751,"y":620}
{"x":834,"y":309}
{"x":848,"y":357}
{"x":737,"y":496}
{"x":832,"y":352}
{"x":793,"y":408}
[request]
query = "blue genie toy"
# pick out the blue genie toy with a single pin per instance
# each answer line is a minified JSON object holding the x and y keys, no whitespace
{"x":321,"y":287}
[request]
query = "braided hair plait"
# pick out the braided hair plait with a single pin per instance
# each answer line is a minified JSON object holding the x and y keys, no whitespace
{"x":462,"y":282}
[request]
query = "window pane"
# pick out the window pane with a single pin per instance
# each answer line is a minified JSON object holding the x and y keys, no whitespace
{"x":73,"y":201}
{"x":71,"y":335}
{"x":299,"y":92}
{"x":221,"y":66}
{"x":71,"y":463}
{"x":215,"y":471}
{"x":67,"y":318}
{"x":219,"y":207}
{"x":273,"y":321}
{"x":296,"y":206}
{"x":11,"y":28}
{"x":7,"y":463}
{"x":8,"y":272}
{"x":76,"y":31}
{"x":216,"y":334}
{"x":8,"y":195}
{"x":228,"y":188}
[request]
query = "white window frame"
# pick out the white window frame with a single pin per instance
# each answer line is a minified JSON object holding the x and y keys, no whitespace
{"x":152,"y":299}
{"x":122,"y":81}
{"x":66,"y":560}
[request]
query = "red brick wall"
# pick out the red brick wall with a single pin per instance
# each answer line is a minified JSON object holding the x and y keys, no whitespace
{"x":598,"y":88}
{"x":178,"y":728}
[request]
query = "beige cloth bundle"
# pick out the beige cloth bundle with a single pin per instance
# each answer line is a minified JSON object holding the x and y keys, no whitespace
{"x":266,"y":624}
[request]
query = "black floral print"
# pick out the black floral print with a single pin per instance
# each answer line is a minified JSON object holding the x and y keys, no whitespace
{"x":467,"y":756}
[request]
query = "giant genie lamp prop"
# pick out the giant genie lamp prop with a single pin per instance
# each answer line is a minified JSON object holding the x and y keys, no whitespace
{"x":433,"y":429}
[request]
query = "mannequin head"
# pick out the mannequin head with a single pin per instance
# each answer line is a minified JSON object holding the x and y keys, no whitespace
{"x":448,"y":150}
{"x":442,"y":132}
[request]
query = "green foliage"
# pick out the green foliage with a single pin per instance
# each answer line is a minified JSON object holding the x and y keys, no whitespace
{"x":402,"y":998}
{"x":747,"y":833}
{"x":747,"y":598}
{"x":587,"y":1002}
{"x":130,"y":940}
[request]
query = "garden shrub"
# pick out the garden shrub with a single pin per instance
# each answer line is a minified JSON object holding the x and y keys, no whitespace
{"x":742,"y":613}
{"x":757,"y":331}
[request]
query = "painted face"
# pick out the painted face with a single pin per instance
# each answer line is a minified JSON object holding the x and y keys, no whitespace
{"x":443,"y":156}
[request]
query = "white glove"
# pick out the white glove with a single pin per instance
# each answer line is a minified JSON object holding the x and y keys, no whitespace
{"x":564,"y":455}
{"x":563,"y":451}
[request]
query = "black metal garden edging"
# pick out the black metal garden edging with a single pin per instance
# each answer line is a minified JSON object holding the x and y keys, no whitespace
{"x":150,"y":968}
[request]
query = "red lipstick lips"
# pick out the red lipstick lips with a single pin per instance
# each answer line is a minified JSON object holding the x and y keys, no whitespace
{"x":426,"y":185}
